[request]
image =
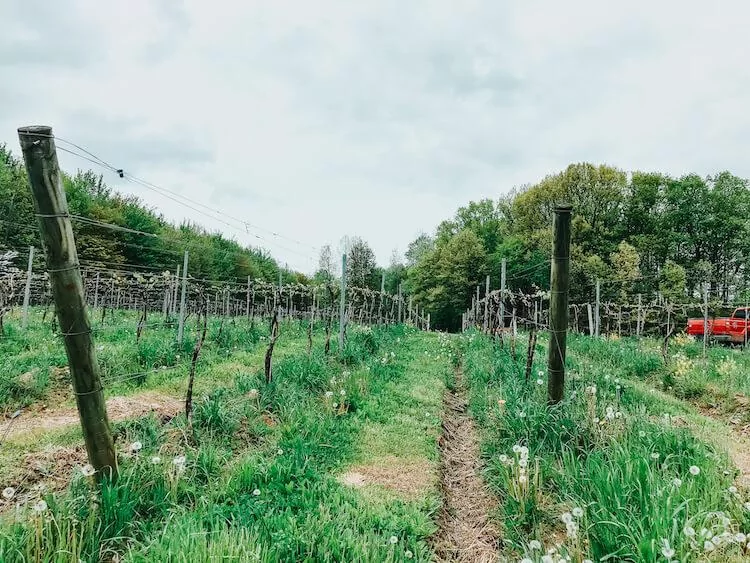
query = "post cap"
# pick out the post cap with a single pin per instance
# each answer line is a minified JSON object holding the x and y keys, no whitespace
{"x":563,"y":208}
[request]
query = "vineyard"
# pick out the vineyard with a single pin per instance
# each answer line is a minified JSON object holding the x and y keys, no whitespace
{"x":155,"y":414}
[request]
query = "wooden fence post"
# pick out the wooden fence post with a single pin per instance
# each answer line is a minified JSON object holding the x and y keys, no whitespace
{"x":558,"y":311}
{"x":597,"y":318}
{"x":503,"y":265}
{"x":27,"y":291}
{"x":342,"y":305}
{"x":181,"y":326}
{"x":40,"y":156}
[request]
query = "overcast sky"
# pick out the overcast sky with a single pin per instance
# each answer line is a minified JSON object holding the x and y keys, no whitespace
{"x":319,"y":119}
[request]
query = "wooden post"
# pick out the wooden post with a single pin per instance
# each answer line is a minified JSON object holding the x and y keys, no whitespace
{"x":503,"y":265}
{"x":247,"y":299}
{"x":27,"y":291}
{"x":181,"y":325}
{"x":486,"y":319}
{"x":591,"y":319}
{"x":476,"y":308}
{"x":400,"y":299}
{"x":342,"y":305}
{"x":705,"y":319}
{"x":96,"y":292}
{"x":176,"y":287}
{"x":597,"y":318}
{"x":40,"y":156}
{"x":638,"y":318}
{"x":558,"y":306}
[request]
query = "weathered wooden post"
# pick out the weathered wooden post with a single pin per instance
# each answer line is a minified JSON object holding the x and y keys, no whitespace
{"x":597,"y":318}
{"x":181,"y":325}
{"x":40,"y":156}
{"x":558,"y":313}
{"x":503,"y":266}
{"x":486,"y":319}
{"x":342,"y":305}
{"x":27,"y":290}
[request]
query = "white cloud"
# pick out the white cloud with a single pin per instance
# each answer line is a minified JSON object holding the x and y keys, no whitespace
{"x":323,"y":119}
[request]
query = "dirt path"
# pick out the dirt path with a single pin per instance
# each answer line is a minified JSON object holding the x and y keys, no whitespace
{"x":466,"y":533}
{"x":118,"y":408}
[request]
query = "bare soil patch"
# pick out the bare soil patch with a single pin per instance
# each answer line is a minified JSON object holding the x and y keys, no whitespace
{"x":465,"y":530}
{"x":119,"y":408}
{"x":410,"y":479}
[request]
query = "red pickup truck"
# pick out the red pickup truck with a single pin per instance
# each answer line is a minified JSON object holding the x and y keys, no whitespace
{"x":732,"y":330}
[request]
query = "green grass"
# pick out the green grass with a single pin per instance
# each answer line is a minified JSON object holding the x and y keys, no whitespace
{"x":261,"y":460}
{"x":614,"y":453}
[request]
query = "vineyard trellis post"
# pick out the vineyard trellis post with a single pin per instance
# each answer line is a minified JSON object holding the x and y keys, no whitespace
{"x":176,"y":287}
{"x":181,"y":326}
{"x":503,"y":268}
{"x":40,"y":156}
{"x":400,"y":299}
{"x":558,"y":312}
{"x":597,"y":318}
{"x":485,"y":321}
{"x":27,"y":290}
{"x":342,"y":304}
{"x":705,"y":320}
{"x":638,"y":318}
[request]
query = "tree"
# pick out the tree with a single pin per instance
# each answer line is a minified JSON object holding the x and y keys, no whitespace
{"x":326,"y":266}
{"x":626,"y":268}
{"x":417,"y":249}
{"x":360,"y":264}
{"x":672,"y":282}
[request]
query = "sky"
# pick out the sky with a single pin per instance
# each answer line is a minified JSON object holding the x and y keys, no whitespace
{"x":305,"y":122}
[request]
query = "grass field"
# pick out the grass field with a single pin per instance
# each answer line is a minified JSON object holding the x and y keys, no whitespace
{"x":338,"y":458}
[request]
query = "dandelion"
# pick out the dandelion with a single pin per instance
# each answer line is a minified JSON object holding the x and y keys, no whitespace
{"x":155,"y":460}
{"x":40,"y":507}
{"x":408,"y":554}
{"x":88,"y":470}
{"x":342,"y":392}
{"x":694,"y":470}
{"x":527,"y":560}
{"x":522,"y":479}
{"x":547,"y":559}
{"x":666,"y":550}
{"x":329,"y":394}
{"x":179,"y":461}
{"x":618,"y":414}
{"x":393,"y":540}
{"x":256,"y":492}
{"x":708,"y":546}
{"x":503,"y":459}
{"x":595,"y":420}
{"x":747,"y":506}
{"x":516,"y":449}
{"x":522,"y":414}
{"x":540,"y":382}
{"x":566,"y":517}
{"x":577,"y":512}
{"x":677,"y":482}
{"x":740,"y":537}
{"x":9,"y":493}
{"x":252,"y":394}
{"x":587,"y":561}
{"x":732,"y":490}
{"x":135,"y":447}
{"x":655,"y":455}
{"x":335,"y":405}
{"x":689,"y":531}
{"x":279,"y":452}
{"x":523,"y":462}
{"x":535,"y":544}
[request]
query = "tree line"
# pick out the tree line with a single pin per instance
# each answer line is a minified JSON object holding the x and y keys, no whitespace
{"x":212,"y":255}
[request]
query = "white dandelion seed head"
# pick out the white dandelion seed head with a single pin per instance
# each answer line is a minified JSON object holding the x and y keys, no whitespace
{"x":641,"y":434}
{"x":535,"y":544}
{"x":9,"y":493}
{"x":739,"y":537}
{"x":578,"y":512}
{"x":596,"y":420}
{"x":618,"y":414}
{"x":747,"y":506}
{"x":732,"y":490}
{"x":329,"y":394}
{"x":547,"y":559}
{"x":256,"y":492}
{"x":522,"y":479}
{"x":540,"y":382}
{"x":523,"y":462}
{"x":694,"y":470}
{"x":335,"y":405}
{"x":40,"y":506}
{"x":342,"y":392}
{"x":677,"y":482}
{"x":253,"y":393}
{"x":279,"y":452}
{"x":408,"y":554}
{"x":393,"y":540}
{"x":136,"y":446}
{"x":566,"y":517}
{"x":527,"y":560}
{"x":88,"y":470}
{"x":708,"y":546}
{"x":179,"y":460}
{"x":503,"y":458}
{"x":156,"y":460}
{"x":655,"y":455}
{"x":689,"y":531}
{"x":516,"y":449}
